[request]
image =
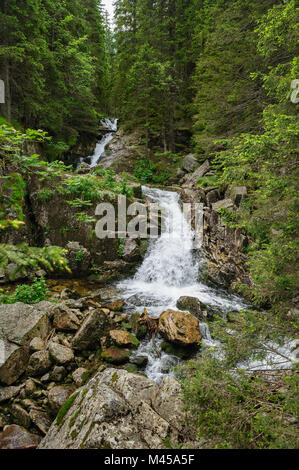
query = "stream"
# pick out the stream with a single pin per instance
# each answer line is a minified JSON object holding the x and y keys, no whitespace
{"x":111,"y":125}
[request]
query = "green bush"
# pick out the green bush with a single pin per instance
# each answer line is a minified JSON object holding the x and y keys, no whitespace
{"x":29,"y":294}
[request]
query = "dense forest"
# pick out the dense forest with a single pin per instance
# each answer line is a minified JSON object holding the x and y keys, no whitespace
{"x":212,"y":78}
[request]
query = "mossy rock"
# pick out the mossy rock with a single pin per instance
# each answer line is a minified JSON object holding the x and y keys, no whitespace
{"x":131,"y":368}
{"x":137,"y":328}
{"x":116,"y":355}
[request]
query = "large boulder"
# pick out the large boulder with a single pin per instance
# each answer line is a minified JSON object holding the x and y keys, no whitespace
{"x":191,"y":304}
{"x":19,"y":324}
{"x":223,"y":204}
{"x":90,"y":332}
{"x":189,"y":163}
{"x":179,"y":327}
{"x":120,"y":410}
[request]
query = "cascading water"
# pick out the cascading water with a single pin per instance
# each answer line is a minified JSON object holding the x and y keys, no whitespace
{"x":169,"y":271}
{"x":99,"y":152}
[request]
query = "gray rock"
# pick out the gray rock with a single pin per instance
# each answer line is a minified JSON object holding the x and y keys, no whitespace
{"x":93,"y":327}
{"x":60,"y":354}
{"x":39,"y":363}
{"x":79,"y":376}
{"x":65,"y":319}
{"x":131,"y":250}
{"x":238,"y":194}
{"x":213,"y":196}
{"x":223,"y":204}
{"x":57,"y":374}
{"x":17,"y":437}
{"x":40,"y":420}
{"x":21,"y":416}
{"x":79,"y":257}
{"x":189,"y":163}
{"x":191,"y":180}
{"x":19,"y":324}
{"x":6,"y":393}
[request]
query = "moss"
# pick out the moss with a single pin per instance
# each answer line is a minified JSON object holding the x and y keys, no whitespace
{"x":65,"y":408}
{"x":74,"y":434}
{"x":74,"y":417}
{"x":134,"y":340}
{"x":114,"y":377}
{"x":176,"y":350}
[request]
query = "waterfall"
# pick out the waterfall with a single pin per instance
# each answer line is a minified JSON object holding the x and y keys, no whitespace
{"x":169,"y":271}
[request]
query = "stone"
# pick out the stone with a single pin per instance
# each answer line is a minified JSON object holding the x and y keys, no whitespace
{"x":79,"y":376}
{"x":65,"y":319}
{"x":191,"y":180}
{"x":39,"y":363}
{"x":6,"y":393}
{"x":30,"y":387}
{"x":117,"y":410}
{"x":189,"y":163}
{"x":115,"y":305}
{"x":139,"y":360}
{"x":21,"y":416}
{"x":116,"y":355}
{"x":57,"y":397}
{"x":20,"y":323}
{"x":79,"y":258}
{"x":212,"y":197}
{"x":223,"y":204}
{"x":90,"y":332}
{"x":238,"y":194}
{"x":138,"y":325}
{"x":179,"y":327}
{"x":191,"y":304}
{"x":37,"y":344}
{"x":130,"y":250}
{"x":123,"y":338}
{"x":17,"y":437}
{"x":40,"y":420}
{"x":60,"y":354}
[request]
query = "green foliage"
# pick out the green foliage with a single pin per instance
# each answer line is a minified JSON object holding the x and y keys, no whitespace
{"x":29,"y":294}
{"x":120,"y":247}
{"x":65,"y":408}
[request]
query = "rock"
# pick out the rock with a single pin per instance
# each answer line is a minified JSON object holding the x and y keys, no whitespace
{"x":140,"y":360}
{"x":40,"y":420}
{"x":21,"y":416}
{"x":223,"y":204}
{"x":191,"y":180}
{"x":176,"y":350}
{"x":4,"y":421}
{"x":17,"y":437}
{"x":115,"y":411}
{"x":79,"y":258}
{"x":115,"y":305}
{"x":39,"y":363}
{"x":93,"y":327}
{"x":37,"y":344}
{"x":191,"y":304}
{"x":116,"y":355}
{"x":79,"y":376}
{"x":212,"y":196}
{"x":57,"y":374}
{"x":179,"y":327}
{"x":6,"y":393}
{"x":137,"y":325}
{"x":65,"y":319}
{"x":84,"y":168}
{"x":20,"y":323}
{"x":189,"y":163}
{"x":130,"y":251}
{"x":238,"y":194}
{"x":58,"y":396}
{"x":123,"y":338}
{"x":30,"y":387}
{"x":60,"y":354}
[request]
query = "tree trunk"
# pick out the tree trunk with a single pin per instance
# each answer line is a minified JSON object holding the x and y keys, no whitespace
{"x":5,"y":76}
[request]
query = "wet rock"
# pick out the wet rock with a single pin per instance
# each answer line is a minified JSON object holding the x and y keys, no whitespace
{"x":123,"y":338}
{"x":189,"y":163}
{"x":140,"y":360}
{"x":191,"y":304}
{"x":37,"y":344}
{"x":93,"y":327}
{"x":60,"y":354}
{"x":39,"y":363}
{"x":20,"y":323}
{"x":17,"y":437}
{"x":79,"y":376}
{"x":57,"y":397}
{"x":40,"y":420}
{"x":179,"y":327}
{"x":115,"y":355}
{"x":115,"y":305}
{"x":21,"y":416}
{"x":117,"y":412}
{"x":65,"y":319}
{"x":175,"y":350}
{"x":6,"y":393}
{"x":138,"y":325}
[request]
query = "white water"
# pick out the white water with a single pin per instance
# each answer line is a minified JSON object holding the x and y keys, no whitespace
{"x":99,"y":152}
{"x":169,"y":271}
